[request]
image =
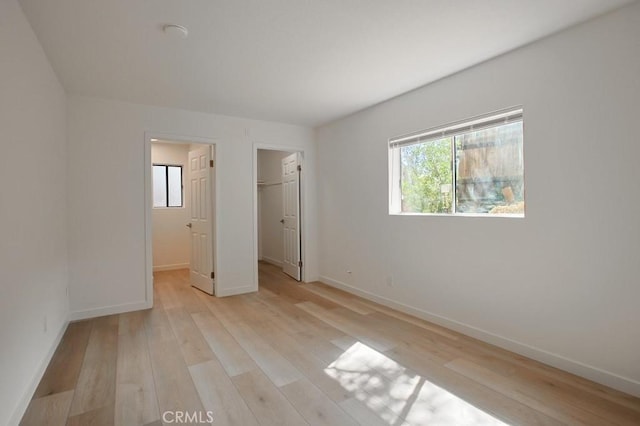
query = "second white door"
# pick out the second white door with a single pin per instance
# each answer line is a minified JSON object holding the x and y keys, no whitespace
{"x":291,"y":169}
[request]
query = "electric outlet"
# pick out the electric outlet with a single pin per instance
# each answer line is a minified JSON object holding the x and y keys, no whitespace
{"x":44,"y":324}
{"x":389,"y":281}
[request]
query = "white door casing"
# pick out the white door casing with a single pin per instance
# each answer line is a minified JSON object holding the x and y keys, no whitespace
{"x":201,"y":182}
{"x":291,"y":166}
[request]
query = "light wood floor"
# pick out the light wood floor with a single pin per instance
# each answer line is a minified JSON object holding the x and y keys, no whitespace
{"x":300,"y":354}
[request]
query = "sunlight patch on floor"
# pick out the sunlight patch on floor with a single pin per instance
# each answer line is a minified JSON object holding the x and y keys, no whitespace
{"x":400,"y":396}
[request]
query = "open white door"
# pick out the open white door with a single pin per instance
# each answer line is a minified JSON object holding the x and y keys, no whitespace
{"x":291,"y":168}
{"x":200,"y":212}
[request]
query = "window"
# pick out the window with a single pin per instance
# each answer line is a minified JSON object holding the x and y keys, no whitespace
{"x":470,"y":167}
{"x":167,"y":186}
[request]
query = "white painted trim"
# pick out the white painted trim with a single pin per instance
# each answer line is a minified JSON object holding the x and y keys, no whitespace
{"x":304,"y":231}
{"x":148,"y":203}
{"x":148,"y":222}
{"x":272,"y":261}
{"x":236,"y":290}
{"x":598,"y":375}
{"x":173,"y":267}
{"x":22,"y":406}
{"x":110,"y":310}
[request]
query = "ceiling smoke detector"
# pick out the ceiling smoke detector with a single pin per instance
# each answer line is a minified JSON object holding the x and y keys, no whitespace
{"x":176,"y":31}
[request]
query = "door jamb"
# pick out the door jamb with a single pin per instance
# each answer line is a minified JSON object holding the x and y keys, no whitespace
{"x":148,"y":205}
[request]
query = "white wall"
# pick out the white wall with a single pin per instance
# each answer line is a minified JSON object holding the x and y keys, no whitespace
{"x":107,"y":244}
{"x":170,"y":235}
{"x":33,"y":248}
{"x":270,"y":236}
{"x":560,"y":285}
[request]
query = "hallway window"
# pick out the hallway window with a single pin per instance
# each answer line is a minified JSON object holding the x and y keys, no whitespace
{"x":167,"y":185}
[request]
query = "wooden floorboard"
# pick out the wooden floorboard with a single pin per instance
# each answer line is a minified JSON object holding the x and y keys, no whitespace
{"x":194,"y":348}
{"x":300,"y":354}
{"x":266,"y":402}
{"x":233,"y":358}
{"x":314,"y":405}
{"x":219,"y":396}
{"x":63,"y":370}
{"x":96,"y":387}
{"x":136,"y":400}
{"x":174,"y":386}
{"x":50,"y":410}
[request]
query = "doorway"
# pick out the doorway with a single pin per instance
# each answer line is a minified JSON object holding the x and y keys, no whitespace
{"x":180,"y":187}
{"x":278,"y":209}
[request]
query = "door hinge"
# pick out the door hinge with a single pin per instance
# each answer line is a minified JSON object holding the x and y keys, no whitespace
{"x":299,"y":168}
{"x":300,"y":263}
{"x":213,"y":275}
{"x":210,"y":163}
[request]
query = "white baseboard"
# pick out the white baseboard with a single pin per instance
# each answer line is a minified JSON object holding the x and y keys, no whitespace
{"x":110,"y":310}
{"x":578,"y":368}
{"x":272,"y":261}
{"x":236,"y":290}
{"x":37,"y":376}
{"x":171,"y":267}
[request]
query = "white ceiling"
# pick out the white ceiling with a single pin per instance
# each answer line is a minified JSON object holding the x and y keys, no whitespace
{"x":296,"y":61}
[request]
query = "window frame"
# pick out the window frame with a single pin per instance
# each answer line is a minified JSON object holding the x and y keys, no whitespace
{"x":166,"y":171}
{"x":450,"y":130}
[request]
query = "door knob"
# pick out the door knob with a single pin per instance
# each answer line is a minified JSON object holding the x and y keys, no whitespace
{"x":281,"y":220}
{"x":188,"y":225}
